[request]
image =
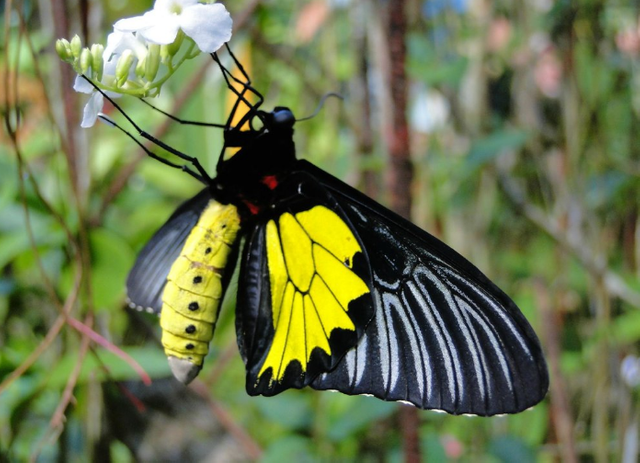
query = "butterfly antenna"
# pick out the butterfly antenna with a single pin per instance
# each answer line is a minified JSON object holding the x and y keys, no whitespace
{"x":320,"y":105}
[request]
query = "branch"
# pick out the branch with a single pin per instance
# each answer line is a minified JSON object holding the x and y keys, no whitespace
{"x":595,"y":264}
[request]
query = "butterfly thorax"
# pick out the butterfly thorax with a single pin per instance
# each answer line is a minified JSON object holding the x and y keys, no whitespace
{"x":267,"y":155}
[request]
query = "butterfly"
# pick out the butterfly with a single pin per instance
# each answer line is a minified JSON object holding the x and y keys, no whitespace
{"x":335,"y":291}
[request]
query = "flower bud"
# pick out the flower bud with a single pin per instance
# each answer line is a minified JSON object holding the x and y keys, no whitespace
{"x":97,"y":62}
{"x":174,"y":47}
{"x":165,"y":57}
{"x":76,"y":46}
{"x":85,"y":61}
{"x":152,"y":63}
{"x":140,"y":65}
{"x":123,"y":66}
{"x":63,"y":49}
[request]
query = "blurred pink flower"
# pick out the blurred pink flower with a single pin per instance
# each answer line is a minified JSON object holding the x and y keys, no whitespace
{"x":311,"y":18}
{"x":453,"y":448}
{"x":548,"y":73}
{"x":499,"y":34}
{"x":628,"y":41}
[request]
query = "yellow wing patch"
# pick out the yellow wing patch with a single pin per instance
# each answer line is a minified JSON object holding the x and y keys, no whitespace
{"x":310,"y":259}
{"x":191,"y":298}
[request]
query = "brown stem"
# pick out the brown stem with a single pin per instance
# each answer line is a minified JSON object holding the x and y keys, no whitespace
{"x":250,"y":446}
{"x":401,"y":170}
{"x":362,"y":123}
{"x":61,"y":29}
{"x":560,"y":409}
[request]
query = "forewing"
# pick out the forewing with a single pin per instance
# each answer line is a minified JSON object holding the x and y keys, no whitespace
{"x":148,"y":276}
{"x":304,"y":297}
{"x":443,"y":336}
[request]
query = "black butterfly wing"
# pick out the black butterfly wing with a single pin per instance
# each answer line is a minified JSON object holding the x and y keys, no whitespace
{"x":148,"y":277}
{"x":443,"y":336}
{"x":303,"y":298}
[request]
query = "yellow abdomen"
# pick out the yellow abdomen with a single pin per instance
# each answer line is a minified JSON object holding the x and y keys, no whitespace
{"x":193,"y":292}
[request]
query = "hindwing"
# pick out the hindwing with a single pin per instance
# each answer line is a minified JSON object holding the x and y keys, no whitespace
{"x":443,"y":336}
{"x":304,"y":298}
{"x":148,"y":277}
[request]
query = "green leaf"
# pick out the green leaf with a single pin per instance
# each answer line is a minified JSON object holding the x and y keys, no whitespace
{"x":112,"y":258}
{"x":431,"y":446}
{"x":625,"y":328}
{"x":291,"y":410}
{"x":595,"y":79}
{"x":602,"y":189}
{"x":289,"y":449}
{"x":12,"y":244}
{"x":429,"y":67}
{"x":151,"y":359}
{"x":346,"y":415}
{"x":487,"y":149}
{"x":509,"y":449}
{"x":180,"y":185}
{"x":531,"y":425}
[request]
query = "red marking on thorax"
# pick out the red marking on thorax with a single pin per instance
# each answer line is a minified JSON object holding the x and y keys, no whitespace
{"x":253,"y":209}
{"x":270,"y":181}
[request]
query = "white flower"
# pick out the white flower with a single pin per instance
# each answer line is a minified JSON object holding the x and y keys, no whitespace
{"x":117,"y":43}
{"x":630,"y":371}
{"x":94,"y":106}
{"x":209,"y":25}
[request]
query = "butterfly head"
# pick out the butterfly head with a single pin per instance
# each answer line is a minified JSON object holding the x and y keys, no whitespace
{"x":280,"y":120}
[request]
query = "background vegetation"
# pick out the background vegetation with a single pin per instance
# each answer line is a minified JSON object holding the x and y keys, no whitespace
{"x":524,"y":139}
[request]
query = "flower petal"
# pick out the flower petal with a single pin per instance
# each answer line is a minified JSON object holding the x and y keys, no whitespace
{"x":91,"y":110}
{"x":81,"y":85}
{"x":163,"y":31}
{"x":208,"y":25}
{"x":171,"y":6}
{"x":136,"y":23}
{"x":117,"y":42}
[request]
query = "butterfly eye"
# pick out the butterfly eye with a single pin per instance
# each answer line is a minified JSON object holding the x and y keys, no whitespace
{"x":283,"y":118}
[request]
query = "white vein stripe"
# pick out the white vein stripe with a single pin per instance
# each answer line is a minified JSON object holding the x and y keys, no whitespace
{"x":497,"y":309}
{"x":447,"y":361}
{"x":418,"y":350}
{"x":462,"y":324}
{"x":457,"y":361}
{"x":361,"y":360}
{"x":350,"y":360}
{"x":486,"y":378}
{"x":495,"y":343}
{"x":383,"y":339}
{"x":392,"y":305}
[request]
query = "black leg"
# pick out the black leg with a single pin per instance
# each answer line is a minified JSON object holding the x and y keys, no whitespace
{"x":253,"y":111}
{"x":203,"y":176}
{"x":151,"y":154}
{"x":182,"y":121}
{"x":233,"y":135}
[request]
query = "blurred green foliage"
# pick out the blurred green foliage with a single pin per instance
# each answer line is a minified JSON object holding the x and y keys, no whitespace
{"x":527,"y":153}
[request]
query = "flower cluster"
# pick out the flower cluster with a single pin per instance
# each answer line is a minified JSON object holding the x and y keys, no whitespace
{"x":144,"y":51}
